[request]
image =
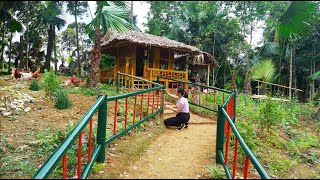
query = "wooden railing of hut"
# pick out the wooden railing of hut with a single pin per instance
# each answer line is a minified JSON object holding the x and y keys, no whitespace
{"x":150,"y":74}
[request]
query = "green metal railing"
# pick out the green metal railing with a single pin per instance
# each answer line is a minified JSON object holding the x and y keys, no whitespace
{"x":226,"y":113}
{"x":225,"y":108}
{"x":98,"y":153}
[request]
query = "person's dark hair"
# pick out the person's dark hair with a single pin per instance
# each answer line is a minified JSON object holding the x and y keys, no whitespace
{"x":182,"y":92}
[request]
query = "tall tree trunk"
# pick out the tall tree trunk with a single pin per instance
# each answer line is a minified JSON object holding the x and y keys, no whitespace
{"x":9,"y":67}
{"x":21,"y":52}
{"x":290,"y":69}
{"x":247,"y":83}
{"x":233,"y":85}
{"x":27,"y":40}
{"x":77,"y":34}
{"x":312,"y":83}
{"x":224,"y":72}
{"x":3,"y":45}
{"x":51,"y":34}
{"x":280,"y":68}
{"x":213,"y":78}
{"x":95,"y":57}
{"x":251,"y":29}
{"x":294,"y":71}
{"x":55,"y":54}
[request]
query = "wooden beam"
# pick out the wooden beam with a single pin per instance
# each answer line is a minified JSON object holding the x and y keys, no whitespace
{"x":277,"y":85}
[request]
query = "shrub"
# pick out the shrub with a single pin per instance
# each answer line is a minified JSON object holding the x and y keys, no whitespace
{"x":271,"y":113}
{"x":34,"y":86}
{"x":62,"y":100}
{"x":215,"y":172}
{"x":50,"y":82}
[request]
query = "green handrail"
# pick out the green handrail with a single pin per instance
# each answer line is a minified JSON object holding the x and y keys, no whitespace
{"x":53,"y":160}
{"x":98,"y":154}
{"x":247,"y":150}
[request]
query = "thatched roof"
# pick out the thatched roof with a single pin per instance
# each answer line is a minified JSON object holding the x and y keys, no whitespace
{"x":203,"y":59}
{"x":113,"y":39}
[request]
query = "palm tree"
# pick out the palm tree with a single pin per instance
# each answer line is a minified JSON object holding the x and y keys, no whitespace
{"x":297,"y":21}
{"x":49,"y":16}
{"x":110,"y":15}
{"x":264,"y":71}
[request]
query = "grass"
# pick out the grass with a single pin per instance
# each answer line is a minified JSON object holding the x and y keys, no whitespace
{"x":216,"y":172}
{"x":282,"y":135}
{"x":62,"y":100}
{"x":101,"y":89}
{"x":291,"y":141}
{"x":34,"y":86}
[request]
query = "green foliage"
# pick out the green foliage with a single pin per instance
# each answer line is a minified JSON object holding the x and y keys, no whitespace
{"x":107,"y":61}
{"x":50,"y":83}
{"x":263,"y":70}
{"x":297,"y":20}
{"x":315,"y":76}
{"x":303,"y":142}
{"x":62,"y":99}
{"x":271,"y":114}
{"x":110,"y":15}
{"x":216,"y":172}
{"x":100,"y":89}
{"x":34,"y":86}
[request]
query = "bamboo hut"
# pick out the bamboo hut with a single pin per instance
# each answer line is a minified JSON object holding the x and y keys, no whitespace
{"x":148,"y":56}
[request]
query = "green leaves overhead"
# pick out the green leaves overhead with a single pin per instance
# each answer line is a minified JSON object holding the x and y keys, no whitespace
{"x":177,"y":28}
{"x":14,"y":26}
{"x":269,"y":48}
{"x":297,"y":21}
{"x":263,"y":70}
{"x":110,"y":17}
{"x":122,"y":4}
{"x":50,"y":14}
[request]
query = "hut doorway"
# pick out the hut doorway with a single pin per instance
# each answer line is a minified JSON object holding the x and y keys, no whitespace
{"x":140,"y":58}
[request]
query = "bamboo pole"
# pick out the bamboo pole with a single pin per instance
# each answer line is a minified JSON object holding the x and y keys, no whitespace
{"x":278,"y":85}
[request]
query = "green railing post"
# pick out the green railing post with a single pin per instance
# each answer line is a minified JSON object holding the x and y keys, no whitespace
{"x":101,"y":130}
{"x":158,"y":79}
{"x":220,"y":135}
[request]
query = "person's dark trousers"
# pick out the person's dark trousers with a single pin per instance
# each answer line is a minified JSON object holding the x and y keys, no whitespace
{"x":179,"y":119}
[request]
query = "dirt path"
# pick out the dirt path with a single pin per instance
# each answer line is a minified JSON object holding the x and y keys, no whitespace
{"x":178,"y":154}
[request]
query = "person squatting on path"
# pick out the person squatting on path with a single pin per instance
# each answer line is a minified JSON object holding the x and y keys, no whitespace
{"x":182,"y":109}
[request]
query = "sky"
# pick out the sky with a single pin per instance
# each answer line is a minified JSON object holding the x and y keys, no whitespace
{"x":141,"y":9}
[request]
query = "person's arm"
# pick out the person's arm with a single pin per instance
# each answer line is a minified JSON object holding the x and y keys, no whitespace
{"x":177,"y":110}
{"x":171,"y":95}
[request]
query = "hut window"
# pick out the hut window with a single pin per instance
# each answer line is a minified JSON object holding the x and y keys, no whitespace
{"x":164,"y":58}
{"x":164,"y":64}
